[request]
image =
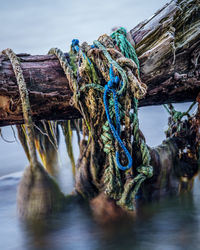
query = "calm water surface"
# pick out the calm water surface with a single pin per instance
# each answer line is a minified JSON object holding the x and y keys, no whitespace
{"x":172,"y":223}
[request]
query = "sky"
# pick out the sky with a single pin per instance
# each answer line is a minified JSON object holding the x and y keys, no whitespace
{"x":36,"y":26}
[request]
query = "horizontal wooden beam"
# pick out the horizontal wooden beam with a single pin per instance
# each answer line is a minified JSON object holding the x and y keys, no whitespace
{"x":168,"y":46}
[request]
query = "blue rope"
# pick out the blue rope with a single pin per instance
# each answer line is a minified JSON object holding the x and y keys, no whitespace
{"x":110,"y":87}
{"x":75,"y":47}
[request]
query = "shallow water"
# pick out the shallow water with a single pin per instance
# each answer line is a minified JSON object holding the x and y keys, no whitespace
{"x":172,"y":223}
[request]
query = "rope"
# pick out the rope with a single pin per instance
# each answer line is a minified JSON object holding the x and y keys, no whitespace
{"x":177,"y":115}
{"x":75,"y":45}
{"x":25,"y":103}
{"x":65,"y":66}
{"x":145,"y":171}
{"x":110,"y":87}
{"x":174,"y":122}
{"x":90,"y":72}
{"x":119,"y":36}
{"x":116,"y":65}
{"x":114,"y":111}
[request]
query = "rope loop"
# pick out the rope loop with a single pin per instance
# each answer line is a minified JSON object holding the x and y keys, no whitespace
{"x":111,"y":87}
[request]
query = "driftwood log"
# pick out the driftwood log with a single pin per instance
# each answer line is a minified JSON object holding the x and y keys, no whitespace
{"x":168,"y":46}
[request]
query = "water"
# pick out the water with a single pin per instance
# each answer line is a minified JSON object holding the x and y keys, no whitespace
{"x":168,"y":224}
{"x":172,"y":223}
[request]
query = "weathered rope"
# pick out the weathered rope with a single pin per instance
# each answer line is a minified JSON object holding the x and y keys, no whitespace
{"x":145,"y":171}
{"x":177,"y":115}
{"x":110,"y":87}
{"x":116,"y":65}
{"x":112,"y":175}
{"x":65,"y":66}
{"x":80,"y":70}
{"x":119,"y":36}
{"x":25,"y":104}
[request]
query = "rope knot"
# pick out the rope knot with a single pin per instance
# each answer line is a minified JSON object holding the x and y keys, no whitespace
{"x":146,"y":170}
{"x":113,"y":82}
{"x":75,"y":45}
{"x":75,"y":42}
{"x":110,"y":84}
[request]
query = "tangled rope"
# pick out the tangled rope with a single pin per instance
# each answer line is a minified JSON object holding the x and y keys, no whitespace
{"x":176,"y":117}
{"x":116,"y":65}
{"x":119,"y":36}
{"x":106,"y":109}
{"x":145,"y":171}
{"x":110,"y":87}
{"x":25,"y":104}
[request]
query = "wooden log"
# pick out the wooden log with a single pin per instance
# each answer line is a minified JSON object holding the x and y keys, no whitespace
{"x":49,"y":90}
{"x":168,"y":46}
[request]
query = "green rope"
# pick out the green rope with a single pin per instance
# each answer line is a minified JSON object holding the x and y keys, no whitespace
{"x":24,"y":96}
{"x":113,"y":184}
{"x":112,"y":179}
{"x":116,"y":65}
{"x":177,"y":115}
{"x":145,"y":171}
{"x":119,"y":36}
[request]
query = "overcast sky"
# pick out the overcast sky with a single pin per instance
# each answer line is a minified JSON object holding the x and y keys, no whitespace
{"x":34,"y":26}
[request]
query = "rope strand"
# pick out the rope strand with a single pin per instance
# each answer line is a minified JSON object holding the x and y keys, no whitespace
{"x":25,"y":104}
